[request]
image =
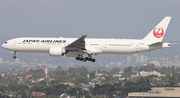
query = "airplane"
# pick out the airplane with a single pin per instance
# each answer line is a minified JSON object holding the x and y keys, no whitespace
{"x":77,"y":47}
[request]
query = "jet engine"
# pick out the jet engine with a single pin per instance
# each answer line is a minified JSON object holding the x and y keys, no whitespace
{"x":57,"y":51}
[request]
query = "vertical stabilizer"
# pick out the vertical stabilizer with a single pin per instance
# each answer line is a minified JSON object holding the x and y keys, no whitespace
{"x":158,"y":32}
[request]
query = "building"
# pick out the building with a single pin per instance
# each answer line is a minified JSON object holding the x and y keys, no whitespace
{"x":117,"y":75}
{"x":46,"y":72}
{"x":37,"y":94}
{"x":29,"y":76}
{"x":145,"y":73}
{"x":1,"y":60}
{"x":69,"y":83}
{"x":129,"y":58}
{"x":156,"y":63}
{"x":157,"y":92}
{"x":136,"y":58}
{"x":143,"y":58}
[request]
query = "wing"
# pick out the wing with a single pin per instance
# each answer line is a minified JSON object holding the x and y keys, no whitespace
{"x":77,"y":45}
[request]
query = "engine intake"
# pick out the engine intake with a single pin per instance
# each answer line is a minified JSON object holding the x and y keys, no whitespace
{"x":57,"y":51}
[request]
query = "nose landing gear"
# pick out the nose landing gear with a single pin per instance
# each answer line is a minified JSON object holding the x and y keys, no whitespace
{"x":14,"y":57}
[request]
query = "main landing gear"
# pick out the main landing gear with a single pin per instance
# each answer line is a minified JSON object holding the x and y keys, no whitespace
{"x":89,"y":58}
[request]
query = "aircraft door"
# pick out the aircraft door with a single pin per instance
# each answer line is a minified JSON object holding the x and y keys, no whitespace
{"x":139,"y":47}
{"x":105,"y":44}
{"x":37,"y":46}
{"x":136,"y":46}
{"x":14,"y":44}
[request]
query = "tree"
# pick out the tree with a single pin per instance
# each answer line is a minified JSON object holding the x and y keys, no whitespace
{"x":22,"y":87}
{"x":62,"y":77}
{"x":92,"y":75}
{"x":3,"y":88}
{"x":96,"y":89}
{"x":23,"y":95}
{"x":172,"y":81}
{"x":105,"y":89}
{"x":128,"y":71}
{"x":148,"y":67}
{"x":72,"y":91}
{"x":162,"y":70}
{"x":43,"y":83}
{"x":114,"y":71}
{"x":56,"y":89}
{"x":81,"y":79}
{"x":38,"y":88}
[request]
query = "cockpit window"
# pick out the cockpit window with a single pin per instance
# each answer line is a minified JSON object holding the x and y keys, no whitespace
{"x":5,"y":42}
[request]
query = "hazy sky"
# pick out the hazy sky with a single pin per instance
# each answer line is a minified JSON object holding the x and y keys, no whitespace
{"x":96,"y":18}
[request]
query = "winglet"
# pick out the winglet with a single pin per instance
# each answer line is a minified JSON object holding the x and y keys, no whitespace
{"x":158,"y":32}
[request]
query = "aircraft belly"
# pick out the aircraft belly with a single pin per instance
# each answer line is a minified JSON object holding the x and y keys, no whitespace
{"x":31,"y":48}
{"x":93,"y":50}
{"x":118,"y":50}
{"x":124,"y":50}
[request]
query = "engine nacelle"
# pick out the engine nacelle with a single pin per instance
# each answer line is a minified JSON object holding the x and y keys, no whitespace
{"x":57,"y":51}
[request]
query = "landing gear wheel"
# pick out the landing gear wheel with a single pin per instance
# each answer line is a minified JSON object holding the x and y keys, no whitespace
{"x":93,"y":60}
{"x":84,"y":59}
{"x":89,"y":58}
{"x":14,"y":57}
{"x":81,"y":59}
{"x":77,"y":58}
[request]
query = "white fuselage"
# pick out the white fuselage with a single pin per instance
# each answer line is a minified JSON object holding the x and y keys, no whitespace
{"x":94,"y":45}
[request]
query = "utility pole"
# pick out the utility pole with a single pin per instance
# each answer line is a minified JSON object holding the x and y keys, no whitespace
{"x":77,"y":94}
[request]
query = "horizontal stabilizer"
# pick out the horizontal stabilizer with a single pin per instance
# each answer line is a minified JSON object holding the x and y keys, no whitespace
{"x":156,"y":44}
{"x":162,"y":44}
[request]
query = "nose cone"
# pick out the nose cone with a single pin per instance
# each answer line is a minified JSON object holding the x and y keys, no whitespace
{"x":4,"y":46}
{"x":8,"y":45}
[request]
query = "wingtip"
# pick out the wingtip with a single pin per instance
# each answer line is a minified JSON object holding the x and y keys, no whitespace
{"x":84,"y":35}
{"x":168,"y":17}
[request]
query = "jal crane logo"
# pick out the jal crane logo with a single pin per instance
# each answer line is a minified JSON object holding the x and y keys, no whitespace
{"x":158,"y":32}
